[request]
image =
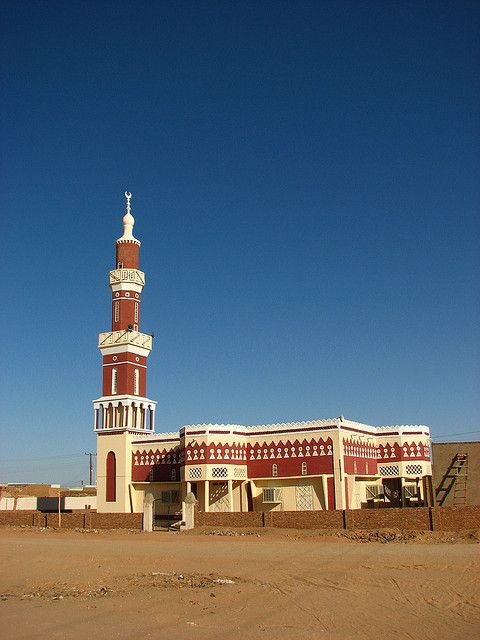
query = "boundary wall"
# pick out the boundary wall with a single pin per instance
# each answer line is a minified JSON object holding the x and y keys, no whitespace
{"x":86,"y":520}
{"x":418,"y":519}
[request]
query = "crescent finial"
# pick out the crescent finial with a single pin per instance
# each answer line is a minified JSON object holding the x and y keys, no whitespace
{"x":128,"y":196}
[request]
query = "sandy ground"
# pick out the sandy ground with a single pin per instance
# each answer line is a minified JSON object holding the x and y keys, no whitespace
{"x":281,"y":585}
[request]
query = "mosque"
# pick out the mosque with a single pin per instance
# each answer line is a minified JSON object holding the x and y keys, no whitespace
{"x":332,"y":463}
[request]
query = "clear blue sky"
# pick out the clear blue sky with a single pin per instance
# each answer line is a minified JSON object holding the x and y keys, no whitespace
{"x":305,"y":185}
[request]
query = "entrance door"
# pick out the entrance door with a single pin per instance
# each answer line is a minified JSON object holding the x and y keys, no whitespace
{"x":393,"y":491}
{"x":167,"y":510}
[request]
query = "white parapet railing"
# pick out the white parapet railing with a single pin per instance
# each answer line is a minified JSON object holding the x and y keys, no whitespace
{"x":127,"y":275}
{"x":112,"y":338}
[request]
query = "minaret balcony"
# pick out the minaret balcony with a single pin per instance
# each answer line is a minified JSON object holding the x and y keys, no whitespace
{"x":127,"y":276}
{"x":124,"y":337}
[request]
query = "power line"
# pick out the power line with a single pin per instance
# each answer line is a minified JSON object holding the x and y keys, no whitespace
{"x":69,"y":455}
{"x":454,"y":435}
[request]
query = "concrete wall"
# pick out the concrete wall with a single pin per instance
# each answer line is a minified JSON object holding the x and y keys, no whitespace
{"x":67,"y":503}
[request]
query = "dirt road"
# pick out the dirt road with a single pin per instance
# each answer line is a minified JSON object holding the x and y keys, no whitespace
{"x":117,"y":585}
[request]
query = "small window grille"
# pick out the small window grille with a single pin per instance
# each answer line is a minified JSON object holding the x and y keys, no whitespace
{"x":304,"y":468}
{"x":150,"y":475}
{"x":274,"y":470}
{"x":272,"y":494}
{"x":136,"y":382}
{"x":374,"y":491}
{"x":136,"y":311}
{"x":174,"y":474}
{"x":410,"y":491}
{"x":117,"y":311}
{"x":114,"y":381}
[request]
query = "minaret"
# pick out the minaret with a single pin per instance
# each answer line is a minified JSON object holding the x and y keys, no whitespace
{"x":124,"y":405}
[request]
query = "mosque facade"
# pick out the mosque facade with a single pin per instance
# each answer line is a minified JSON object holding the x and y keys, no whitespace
{"x":326,"y":464}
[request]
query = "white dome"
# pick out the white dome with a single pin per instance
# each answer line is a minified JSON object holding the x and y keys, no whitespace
{"x":128,"y":222}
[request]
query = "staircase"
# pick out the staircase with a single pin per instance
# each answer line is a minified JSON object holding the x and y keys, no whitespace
{"x":455,"y":478}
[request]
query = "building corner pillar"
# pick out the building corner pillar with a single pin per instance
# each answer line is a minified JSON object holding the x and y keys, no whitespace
{"x":206,"y":487}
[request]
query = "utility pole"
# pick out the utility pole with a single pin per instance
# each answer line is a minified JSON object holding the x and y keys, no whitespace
{"x":90,"y":455}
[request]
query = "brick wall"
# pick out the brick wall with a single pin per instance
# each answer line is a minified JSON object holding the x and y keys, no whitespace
{"x":249,"y":519}
{"x":456,"y":518}
{"x":414,"y":519}
{"x":17,"y":518}
{"x":78,"y":520}
{"x":68,"y":520}
{"x":421,"y":519}
{"x":304,"y":519}
{"x":116,"y":521}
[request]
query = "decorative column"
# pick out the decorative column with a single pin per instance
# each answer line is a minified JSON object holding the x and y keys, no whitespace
{"x":230,"y":494}
{"x":206,"y":487}
{"x":325,"y":491}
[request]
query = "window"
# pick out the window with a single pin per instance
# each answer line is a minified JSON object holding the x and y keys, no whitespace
{"x":111,"y":484}
{"x":114,"y":381}
{"x":410,"y":491}
{"x":150,"y":475}
{"x":117,"y":311}
{"x":304,"y":468}
{"x":136,"y":382}
{"x":174,"y":474}
{"x":136,"y":311}
{"x":374,"y":491}
{"x":272,"y":494}
{"x":274,"y":470}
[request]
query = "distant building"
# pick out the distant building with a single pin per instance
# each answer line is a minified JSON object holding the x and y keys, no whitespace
{"x":45,"y":497}
{"x":321,"y":464}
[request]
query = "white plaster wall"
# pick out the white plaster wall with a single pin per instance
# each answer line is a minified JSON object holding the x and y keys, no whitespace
{"x":121,"y":445}
{"x":6,"y":504}
{"x":289,"y":496}
{"x":79,"y":502}
{"x":26,"y":504}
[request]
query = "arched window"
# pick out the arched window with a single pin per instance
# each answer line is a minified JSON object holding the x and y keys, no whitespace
{"x":111,"y":484}
{"x":114,"y":381}
{"x":136,"y":382}
{"x":110,"y":416}
{"x":274,"y":470}
{"x":304,"y":468}
{"x":120,"y":415}
{"x":135,"y":415}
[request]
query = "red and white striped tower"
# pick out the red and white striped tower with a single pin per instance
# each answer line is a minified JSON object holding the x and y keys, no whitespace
{"x":124,"y":405}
